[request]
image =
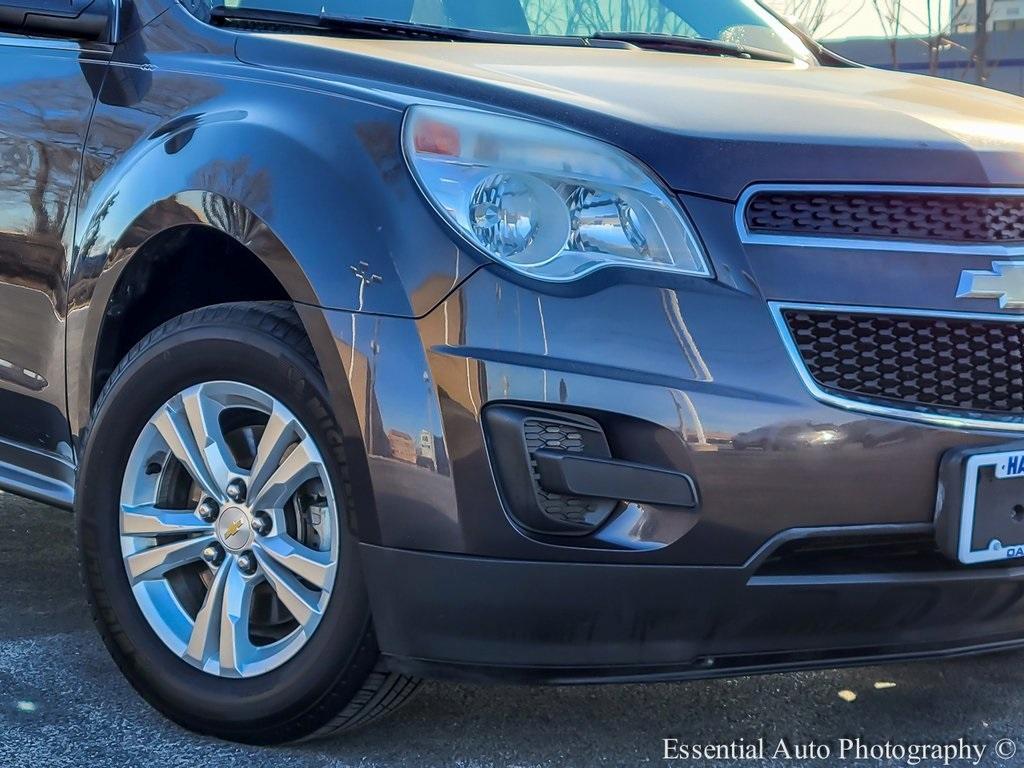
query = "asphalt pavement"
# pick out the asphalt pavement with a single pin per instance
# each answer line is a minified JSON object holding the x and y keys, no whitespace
{"x":63,"y":703}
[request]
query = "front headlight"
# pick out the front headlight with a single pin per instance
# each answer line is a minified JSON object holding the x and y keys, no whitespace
{"x":546,"y":202}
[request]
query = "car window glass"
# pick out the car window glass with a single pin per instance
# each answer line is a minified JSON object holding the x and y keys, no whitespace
{"x":429,"y":12}
{"x":735,"y":21}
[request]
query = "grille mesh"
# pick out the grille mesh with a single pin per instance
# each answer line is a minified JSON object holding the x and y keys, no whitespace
{"x":944,"y":363}
{"x":560,"y":437}
{"x":879,"y":216}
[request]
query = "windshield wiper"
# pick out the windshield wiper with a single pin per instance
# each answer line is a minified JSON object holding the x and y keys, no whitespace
{"x":222,"y":15}
{"x":658,"y":42}
{"x":368,"y":27}
{"x":358,"y":26}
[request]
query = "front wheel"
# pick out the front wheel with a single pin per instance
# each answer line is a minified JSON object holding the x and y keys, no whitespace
{"x":211,"y":508}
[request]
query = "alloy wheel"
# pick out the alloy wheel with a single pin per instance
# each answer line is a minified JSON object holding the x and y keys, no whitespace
{"x":229,"y":529}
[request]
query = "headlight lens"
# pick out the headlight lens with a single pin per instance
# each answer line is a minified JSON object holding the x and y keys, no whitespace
{"x":546,"y":202}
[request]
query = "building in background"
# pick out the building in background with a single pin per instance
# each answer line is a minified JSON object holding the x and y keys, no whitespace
{"x":1003,"y":15}
{"x":953,"y":48}
{"x":956,"y":61}
{"x":426,"y":455}
{"x":402,"y":446}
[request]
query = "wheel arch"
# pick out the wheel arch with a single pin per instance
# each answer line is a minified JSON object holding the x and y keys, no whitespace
{"x":181,"y":236}
{"x":153,"y":274}
{"x":305,"y":184}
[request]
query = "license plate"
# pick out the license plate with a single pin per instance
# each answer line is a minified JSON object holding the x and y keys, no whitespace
{"x":992,"y":513}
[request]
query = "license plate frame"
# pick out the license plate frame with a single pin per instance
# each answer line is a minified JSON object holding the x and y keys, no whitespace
{"x":979,"y":490}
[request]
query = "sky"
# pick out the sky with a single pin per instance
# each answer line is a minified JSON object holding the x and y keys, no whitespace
{"x":860,"y":19}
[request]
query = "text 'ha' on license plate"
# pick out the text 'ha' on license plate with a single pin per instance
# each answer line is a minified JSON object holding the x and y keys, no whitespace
{"x":1009,"y":465}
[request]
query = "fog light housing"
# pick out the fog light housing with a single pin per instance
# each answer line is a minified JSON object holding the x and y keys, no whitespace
{"x":515,"y":435}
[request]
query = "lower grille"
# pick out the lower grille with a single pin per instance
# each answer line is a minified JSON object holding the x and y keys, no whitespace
{"x":857,"y":553}
{"x":938,"y":363}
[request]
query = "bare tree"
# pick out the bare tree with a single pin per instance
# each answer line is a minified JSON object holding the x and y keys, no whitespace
{"x":821,"y":18}
{"x":545,"y":17}
{"x":981,"y":43}
{"x":587,"y":16}
{"x":943,"y":20}
{"x":890,"y":16}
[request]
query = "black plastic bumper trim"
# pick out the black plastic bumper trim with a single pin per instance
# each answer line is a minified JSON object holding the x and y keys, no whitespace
{"x":701,"y":669}
{"x":574,"y":475}
{"x":589,"y":621}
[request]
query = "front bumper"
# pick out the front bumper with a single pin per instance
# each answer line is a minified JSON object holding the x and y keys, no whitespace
{"x":691,"y":376}
{"x":489,"y":619}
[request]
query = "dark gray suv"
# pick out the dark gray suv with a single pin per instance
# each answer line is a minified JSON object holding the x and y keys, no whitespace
{"x":534,"y":340}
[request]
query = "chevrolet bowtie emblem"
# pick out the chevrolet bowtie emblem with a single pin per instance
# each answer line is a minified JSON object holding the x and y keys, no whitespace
{"x":1005,"y":282}
{"x":234,"y":528}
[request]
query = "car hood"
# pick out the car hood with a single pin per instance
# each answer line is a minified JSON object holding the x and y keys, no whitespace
{"x":707,"y":125}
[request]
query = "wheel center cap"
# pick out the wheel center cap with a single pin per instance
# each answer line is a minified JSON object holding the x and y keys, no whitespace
{"x":234,"y":529}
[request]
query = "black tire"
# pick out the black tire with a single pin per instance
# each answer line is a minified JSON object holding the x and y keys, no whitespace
{"x":336,"y":681}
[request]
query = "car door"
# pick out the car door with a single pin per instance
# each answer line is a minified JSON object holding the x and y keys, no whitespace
{"x":47,"y":91}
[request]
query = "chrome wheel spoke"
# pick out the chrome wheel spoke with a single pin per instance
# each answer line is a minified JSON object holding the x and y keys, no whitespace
{"x":203,"y":413}
{"x":156,"y":561}
{"x":204,"y":643}
{"x":236,"y":607}
{"x":297,"y":467}
{"x":151,"y":521}
{"x":280,"y":433}
{"x":173,"y":426}
{"x":315,"y":567}
{"x":300,"y":601}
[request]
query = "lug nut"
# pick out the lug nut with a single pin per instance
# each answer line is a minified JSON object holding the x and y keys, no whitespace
{"x":247,"y":563}
{"x":213,"y":554}
{"x":236,"y":490}
{"x":208,"y":510}
{"x":261,"y":523}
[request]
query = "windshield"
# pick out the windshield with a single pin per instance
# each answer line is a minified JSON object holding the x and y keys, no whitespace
{"x":741,"y":22}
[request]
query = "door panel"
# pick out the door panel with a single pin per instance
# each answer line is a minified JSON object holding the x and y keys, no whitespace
{"x":46,"y":98}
